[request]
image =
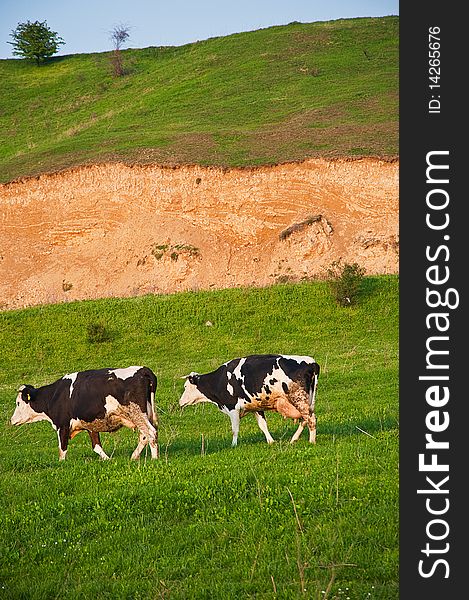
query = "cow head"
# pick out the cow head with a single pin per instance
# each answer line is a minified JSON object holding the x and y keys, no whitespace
{"x":191,"y":394}
{"x":24,"y":411}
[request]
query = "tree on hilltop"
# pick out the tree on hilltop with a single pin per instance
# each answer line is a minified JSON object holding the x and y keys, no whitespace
{"x":119,"y":34}
{"x":35,"y":40}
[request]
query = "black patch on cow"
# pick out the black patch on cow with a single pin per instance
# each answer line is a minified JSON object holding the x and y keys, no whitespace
{"x":49,"y":399}
{"x":300,"y":372}
{"x":28,"y":394}
{"x":267,"y":390}
{"x":273,"y":381}
{"x":214,"y":385}
{"x":285,"y":386}
{"x":256,"y":369}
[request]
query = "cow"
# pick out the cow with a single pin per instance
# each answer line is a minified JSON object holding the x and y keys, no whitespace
{"x":256,"y":383}
{"x":94,"y":401}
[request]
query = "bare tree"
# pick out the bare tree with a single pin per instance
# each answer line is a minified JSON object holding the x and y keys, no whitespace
{"x":118,"y":35}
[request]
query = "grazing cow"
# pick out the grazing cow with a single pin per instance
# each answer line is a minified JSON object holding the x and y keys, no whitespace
{"x":94,"y":401}
{"x":286,"y":384}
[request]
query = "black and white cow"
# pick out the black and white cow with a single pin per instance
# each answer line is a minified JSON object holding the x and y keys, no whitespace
{"x":94,"y":401}
{"x":286,"y":384}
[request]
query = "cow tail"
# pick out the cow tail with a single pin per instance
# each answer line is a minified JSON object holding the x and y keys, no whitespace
{"x":152,"y":383}
{"x":154,"y":418}
{"x":152,"y":403}
{"x":313,"y":388}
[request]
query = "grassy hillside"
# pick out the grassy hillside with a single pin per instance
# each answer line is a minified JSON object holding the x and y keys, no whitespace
{"x":207,"y":521}
{"x":267,"y":96}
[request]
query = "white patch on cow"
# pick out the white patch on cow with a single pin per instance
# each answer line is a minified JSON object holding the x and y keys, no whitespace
{"x":191,"y":395}
{"x":240,"y":404}
{"x":240,"y":378}
{"x":281,"y":377}
{"x":100,"y":452}
{"x":111,"y":405}
{"x":24,"y":413}
{"x":72,"y":377}
{"x":299,"y":359}
{"x":237,"y":371}
{"x":75,"y":424}
{"x":230,"y":388}
{"x":125,"y":373}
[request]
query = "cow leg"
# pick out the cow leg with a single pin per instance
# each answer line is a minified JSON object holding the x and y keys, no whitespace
{"x":310,"y":421}
{"x":261,"y":421}
{"x":96,"y":445}
{"x":298,"y":432}
{"x":153,"y":441}
{"x":148,"y":435}
{"x":142,"y":442}
{"x":234,"y":418}
{"x":63,"y":434}
{"x":312,"y":428}
{"x":304,"y":407}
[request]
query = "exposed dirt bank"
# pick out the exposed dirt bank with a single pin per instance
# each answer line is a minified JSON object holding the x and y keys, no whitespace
{"x":117,"y":230}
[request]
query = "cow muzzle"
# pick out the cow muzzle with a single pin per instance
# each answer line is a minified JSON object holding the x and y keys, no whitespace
{"x":15,"y":420}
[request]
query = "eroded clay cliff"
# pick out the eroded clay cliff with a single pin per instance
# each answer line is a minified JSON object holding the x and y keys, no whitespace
{"x":119,"y":230}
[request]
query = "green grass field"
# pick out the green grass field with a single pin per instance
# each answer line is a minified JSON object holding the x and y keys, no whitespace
{"x":206,"y":520}
{"x":268,"y":96}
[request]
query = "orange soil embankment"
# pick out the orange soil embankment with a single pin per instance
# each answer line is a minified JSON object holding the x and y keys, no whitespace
{"x":118,"y":230}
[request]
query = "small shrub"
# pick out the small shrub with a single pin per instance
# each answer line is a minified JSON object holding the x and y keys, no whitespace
{"x":158,"y":251}
{"x":175,"y":250}
{"x":285,"y":279}
{"x":345,"y":281}
{"x":97,"y":333}
{"x":192,"y":251}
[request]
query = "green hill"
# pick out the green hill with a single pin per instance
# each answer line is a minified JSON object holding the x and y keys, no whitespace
{"x":267,"y":96}
{"x":207,"y":520}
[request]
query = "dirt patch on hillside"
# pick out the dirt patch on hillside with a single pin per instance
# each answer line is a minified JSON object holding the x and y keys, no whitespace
{"x":119,"y":230}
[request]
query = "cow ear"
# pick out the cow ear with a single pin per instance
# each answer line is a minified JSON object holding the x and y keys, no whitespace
{"x":193,"y":377}
{"x":25,"y":393}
